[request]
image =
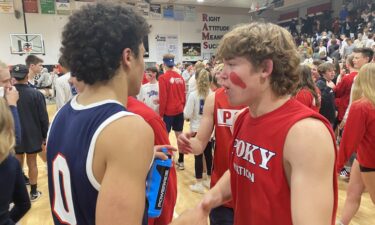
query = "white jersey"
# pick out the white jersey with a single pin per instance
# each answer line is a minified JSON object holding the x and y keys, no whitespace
{"x":149,"y":94}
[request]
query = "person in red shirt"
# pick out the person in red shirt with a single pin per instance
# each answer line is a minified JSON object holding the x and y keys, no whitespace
{"x":359,"y":137}
{"x":217,"y":116}
{"x":172,"y":99}
{"x":161,"y":138}
{"x":360,"y":57}
{"x":270,"y":166}
{"x":306,"y":92}
{"x":343,"y":88}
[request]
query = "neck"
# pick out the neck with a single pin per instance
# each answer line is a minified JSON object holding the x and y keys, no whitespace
{"x":268,"y":103}
{"x":30,"y":75}
{"x":114,"y":89}
{"x":153,"y":81}
{"x":353,"y":70}
{"x":24,"y":81}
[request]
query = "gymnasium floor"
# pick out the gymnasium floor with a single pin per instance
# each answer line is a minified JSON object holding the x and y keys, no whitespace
{"x":40,"y":213}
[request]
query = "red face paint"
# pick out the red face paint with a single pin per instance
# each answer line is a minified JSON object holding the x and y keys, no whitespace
{"x":236,"y":80}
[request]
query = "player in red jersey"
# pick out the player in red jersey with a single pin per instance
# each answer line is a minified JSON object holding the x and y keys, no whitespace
{"x":277,"y":174}
{"x":217,"y":116}
{"x":161,"y":138}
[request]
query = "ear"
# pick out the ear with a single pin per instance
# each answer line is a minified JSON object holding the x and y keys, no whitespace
{"x":127,"y":57}
{"x":266,"y":68}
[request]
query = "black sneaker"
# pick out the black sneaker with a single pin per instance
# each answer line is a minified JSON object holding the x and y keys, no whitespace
{"x":35,"y":196}
{"x":27,"y":180}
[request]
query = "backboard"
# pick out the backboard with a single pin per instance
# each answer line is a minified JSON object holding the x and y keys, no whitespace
{"x":26,"y":44}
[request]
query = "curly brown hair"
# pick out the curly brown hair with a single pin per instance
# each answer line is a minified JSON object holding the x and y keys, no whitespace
{"x":259,"y":41}
{"x":95,"y":36}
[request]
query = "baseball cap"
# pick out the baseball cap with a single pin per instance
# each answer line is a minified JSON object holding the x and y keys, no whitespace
{"x":19,"y":71}
{"x":168,"y":61}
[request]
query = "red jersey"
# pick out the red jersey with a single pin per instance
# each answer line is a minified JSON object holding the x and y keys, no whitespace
{"x":342,"y":94}
{"x":359,"y":135}
{"x":161,"y":138}
{"x":223,"y":120}
{"x":306,"y":97}
{"x":171,"y":94}
{"x":260,"y":190}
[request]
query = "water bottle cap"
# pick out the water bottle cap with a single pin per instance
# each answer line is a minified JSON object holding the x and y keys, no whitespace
{"x":164,"y":149}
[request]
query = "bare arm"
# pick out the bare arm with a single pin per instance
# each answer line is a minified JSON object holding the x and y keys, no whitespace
{"x":123,"y":154}
{"x":197,"y":144}
{"x":309,"y":162}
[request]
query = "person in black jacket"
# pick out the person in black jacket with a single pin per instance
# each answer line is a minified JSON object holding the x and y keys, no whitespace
{"x":12,"y":185}
{"x":325,"y":85}
{"x":34,"y":124}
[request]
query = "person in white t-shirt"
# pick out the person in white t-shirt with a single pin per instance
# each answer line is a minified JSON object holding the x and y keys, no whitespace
{"x":149,"y":93}
{"x":62,"y":87}
{"x":194,"y":111}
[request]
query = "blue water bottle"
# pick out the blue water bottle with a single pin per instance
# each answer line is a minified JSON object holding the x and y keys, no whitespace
{"x":156,"y":186}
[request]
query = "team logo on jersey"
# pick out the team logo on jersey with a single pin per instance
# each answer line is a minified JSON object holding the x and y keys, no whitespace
{"x":175,"y":80}
{"x":152,"y":93}
{"x":252,"y":154}
{"x":225,"y":117}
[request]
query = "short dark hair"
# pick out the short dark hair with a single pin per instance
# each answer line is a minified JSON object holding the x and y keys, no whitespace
{"x":366,"y":52}
{"x":95,"y":36}
{"x":153,"y":70}
{"x":33,"y":59}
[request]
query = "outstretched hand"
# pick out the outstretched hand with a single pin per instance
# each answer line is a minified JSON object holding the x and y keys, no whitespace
{"x":196,"y":216}
{"x":184,"y":144}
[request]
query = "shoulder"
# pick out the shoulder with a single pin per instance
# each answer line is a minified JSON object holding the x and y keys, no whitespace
{"x":11,"y":162}
{"x":319,"y":138}
{"x":362,"y":104}
{"x":193,"y":94}
{"x":126,"y":131}
{"x":141,"y":109}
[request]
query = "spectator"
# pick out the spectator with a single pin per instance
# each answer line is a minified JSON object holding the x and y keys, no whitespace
{"x":328,"y":109}
{"x":34,"y":124}
{"x":12,"y":185}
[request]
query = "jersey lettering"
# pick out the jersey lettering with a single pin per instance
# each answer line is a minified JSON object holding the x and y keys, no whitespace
{"x":62,"y":201}
{"x":247,"y":151}
{"x":225,"y":117}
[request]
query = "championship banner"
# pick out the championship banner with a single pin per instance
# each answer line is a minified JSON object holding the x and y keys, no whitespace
{"x":31,"y":6}
{"x":155,"y":11}
{"x":47,"y":6}
{"x":179,"y":12}
{"x":190,"y":13}
{"x":6,"y":6}
{"x":63,"y":7}
{"x":168,"y":12}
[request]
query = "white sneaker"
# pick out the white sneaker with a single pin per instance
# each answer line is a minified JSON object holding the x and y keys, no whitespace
{"x":197,"y":187}
{"x":207,"y":183}
{"x":180,"y":165}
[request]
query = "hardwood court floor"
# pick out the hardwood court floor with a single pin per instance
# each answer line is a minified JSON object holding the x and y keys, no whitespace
{"x":40,"y":213}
